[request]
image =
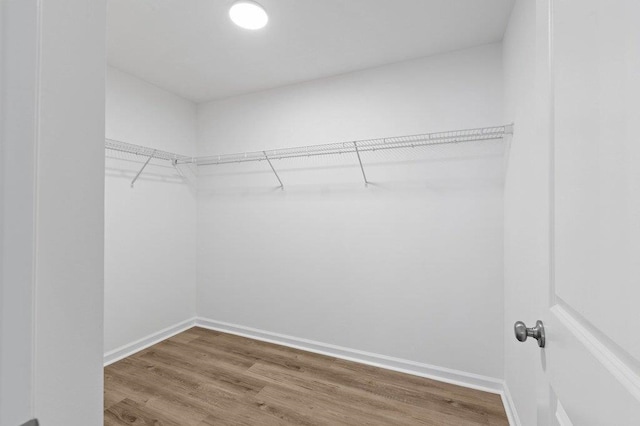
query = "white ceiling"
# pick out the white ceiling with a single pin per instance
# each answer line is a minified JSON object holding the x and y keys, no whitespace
{"x":190,"y":47}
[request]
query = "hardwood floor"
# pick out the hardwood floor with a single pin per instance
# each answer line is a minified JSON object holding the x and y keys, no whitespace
{"x":202,"y":377}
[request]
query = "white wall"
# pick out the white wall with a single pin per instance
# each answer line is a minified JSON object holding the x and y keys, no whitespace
{"x":52,"y":282}
{"x":456,"y":90}
{"x":56,"y":91}
{"x":409,"y":267}
{"x":150,"y":231}
{"x":70,"y":213}
{"x":18,"y":33}
{"x":526,"y":246}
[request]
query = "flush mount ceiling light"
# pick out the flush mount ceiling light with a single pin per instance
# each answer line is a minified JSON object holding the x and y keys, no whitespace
{"x":248,"y":14}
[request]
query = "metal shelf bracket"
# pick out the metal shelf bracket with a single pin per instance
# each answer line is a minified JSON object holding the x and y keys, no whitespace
{"x":143,"y":167}
{"x":364,"y":176}
{"x":273,"y":169}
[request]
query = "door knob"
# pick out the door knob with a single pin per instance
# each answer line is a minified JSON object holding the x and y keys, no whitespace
{"x":537,"y":332}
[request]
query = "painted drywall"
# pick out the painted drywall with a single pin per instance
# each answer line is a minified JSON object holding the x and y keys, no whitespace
{"x":404,"y":267}
{"x":69,"y":220}
{"x":526,"y":244}
{"x":18,"y":33}
{"x":150,"y":235}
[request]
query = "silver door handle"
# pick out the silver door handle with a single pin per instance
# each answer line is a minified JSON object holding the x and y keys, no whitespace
{"x":537,"y":332}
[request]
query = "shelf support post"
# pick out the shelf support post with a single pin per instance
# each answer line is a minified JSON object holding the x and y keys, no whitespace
{"x":143,"y":166}
{"x":364,"y":176}
{"x":273,"y":169}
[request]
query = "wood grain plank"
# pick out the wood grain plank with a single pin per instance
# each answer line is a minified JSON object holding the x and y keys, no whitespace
{"x":128,"y":412}
{"x":359,"y":400}
{"x":202,"y":377}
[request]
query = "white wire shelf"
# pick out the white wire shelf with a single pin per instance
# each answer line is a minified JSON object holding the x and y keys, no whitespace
{"x":145,"y":153}
{"x":355,"y":147}
{"x":398,"y":142}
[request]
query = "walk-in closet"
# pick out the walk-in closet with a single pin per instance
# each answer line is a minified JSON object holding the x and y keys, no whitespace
{"x":319,"y":212}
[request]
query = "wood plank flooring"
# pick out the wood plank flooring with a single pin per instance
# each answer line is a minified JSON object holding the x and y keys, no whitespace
{"x":202,"y":377}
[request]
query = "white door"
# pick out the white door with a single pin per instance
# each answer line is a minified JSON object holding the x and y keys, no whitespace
{"x":592,"y":357}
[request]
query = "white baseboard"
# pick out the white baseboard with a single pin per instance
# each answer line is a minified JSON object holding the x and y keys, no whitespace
{"x":509,"y":406}
{"x":456,"y":377}
{"x":131,"y":348}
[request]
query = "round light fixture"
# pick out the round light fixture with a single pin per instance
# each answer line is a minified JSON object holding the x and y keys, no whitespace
{"x":248,"y":14}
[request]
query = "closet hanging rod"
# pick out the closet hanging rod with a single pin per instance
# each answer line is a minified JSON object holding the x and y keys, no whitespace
{"x":367,"y":145}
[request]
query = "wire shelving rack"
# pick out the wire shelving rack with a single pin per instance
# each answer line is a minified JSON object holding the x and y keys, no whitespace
{"x":145,"y":153}
{"x":354,"y":147}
